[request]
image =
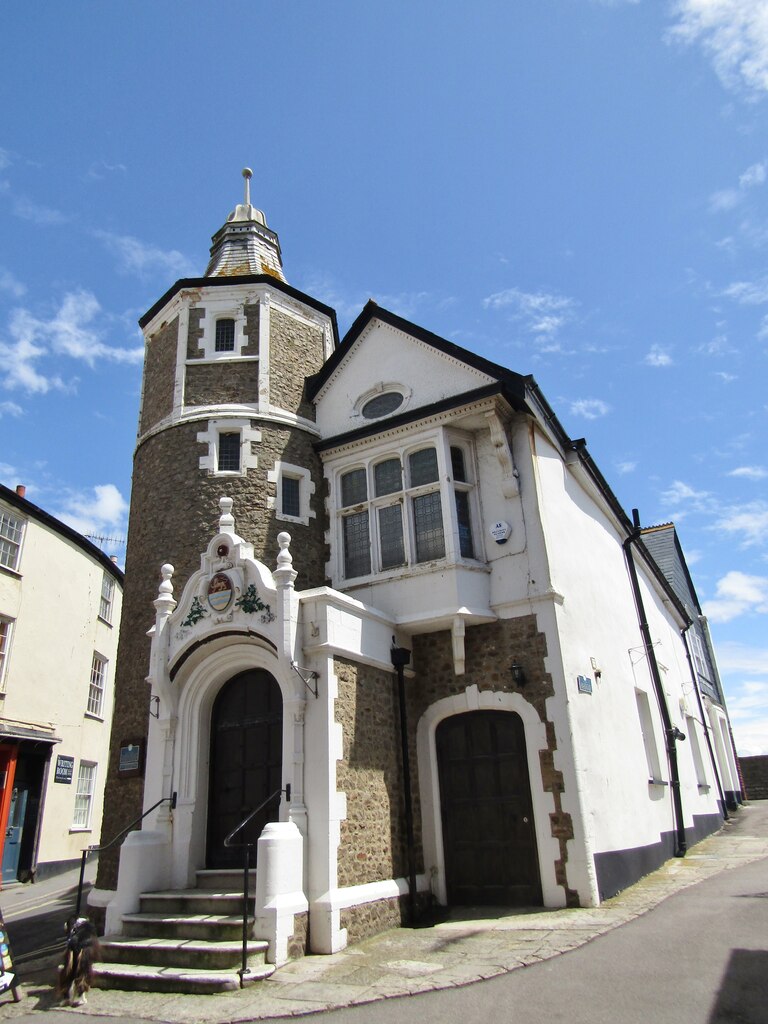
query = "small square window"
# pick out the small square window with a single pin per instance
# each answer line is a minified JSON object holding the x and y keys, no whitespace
{"x":229,"y":453}
{"x":225,"y":335}
{"x":353,"y":488}
{"x":423,"y":467}
{"x":290,"y":496}
{"x":97,"y":685}
{"x":11,"y":529}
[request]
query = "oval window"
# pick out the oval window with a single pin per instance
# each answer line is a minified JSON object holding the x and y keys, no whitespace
{"x":382,"y":405}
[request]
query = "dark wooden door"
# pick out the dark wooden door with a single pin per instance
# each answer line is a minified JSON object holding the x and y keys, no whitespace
{"x":246,"y":761}
{"x":489,"y":842}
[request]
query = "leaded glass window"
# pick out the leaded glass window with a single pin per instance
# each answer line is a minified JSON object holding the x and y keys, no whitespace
{"x":353,"y":488}
{"x":428,"y":527}
{"x":357,"y":545}
{"x":225,"y":335}
{"x":229,"y":453}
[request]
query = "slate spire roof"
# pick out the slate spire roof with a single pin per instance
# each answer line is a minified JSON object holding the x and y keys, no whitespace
{"x":245,"y":245}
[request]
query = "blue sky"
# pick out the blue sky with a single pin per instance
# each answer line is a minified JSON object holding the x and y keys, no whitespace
{"x":573,"y":188}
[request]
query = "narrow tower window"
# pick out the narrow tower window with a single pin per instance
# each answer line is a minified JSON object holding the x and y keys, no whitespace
{"x":291,"y":496}
{"x":229,"y":453}
{"x":225,"y":335}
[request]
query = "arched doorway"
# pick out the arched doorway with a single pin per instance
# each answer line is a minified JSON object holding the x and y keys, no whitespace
{"x":489,"y":841}
{"x":246,"y":761}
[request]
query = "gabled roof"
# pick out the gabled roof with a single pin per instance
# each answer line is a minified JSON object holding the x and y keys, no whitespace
{"x":371,"y":311}
{"x":31,"y":511}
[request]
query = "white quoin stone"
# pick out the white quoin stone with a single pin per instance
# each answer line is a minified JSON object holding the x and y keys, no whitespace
{"x":279,"y":891}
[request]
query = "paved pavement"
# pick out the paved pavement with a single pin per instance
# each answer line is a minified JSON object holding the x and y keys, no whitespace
{"x":404,"y":961}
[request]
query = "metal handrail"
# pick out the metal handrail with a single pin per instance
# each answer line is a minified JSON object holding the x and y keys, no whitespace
{"x":105,"y":846}
{"x":247,"y":847}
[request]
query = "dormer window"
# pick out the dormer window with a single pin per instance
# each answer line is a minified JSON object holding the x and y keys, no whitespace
{"x":225,"y":335}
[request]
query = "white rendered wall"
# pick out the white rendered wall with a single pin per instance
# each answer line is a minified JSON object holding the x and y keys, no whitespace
{"x":597,"y":620}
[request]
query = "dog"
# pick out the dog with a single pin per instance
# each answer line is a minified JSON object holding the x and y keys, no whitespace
{"x":82,"y":952}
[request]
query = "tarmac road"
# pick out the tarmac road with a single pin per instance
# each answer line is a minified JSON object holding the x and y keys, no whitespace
{"x":701,"y":957}
{"x":687,"y":944}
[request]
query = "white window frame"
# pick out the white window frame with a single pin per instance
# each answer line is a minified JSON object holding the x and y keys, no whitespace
{"x":210,"y":437}
{"x":97,"y":686}
{"x":6,"y":636}
{"x":107,"y":598}
{"x":698,"y":761}
{"x":207,"y":340}
{"x":10,"y":546}
{"x":85,"y":791}
{"x":441,"y":441}
{"x":648,"y":731}
{"x":306,"y":490}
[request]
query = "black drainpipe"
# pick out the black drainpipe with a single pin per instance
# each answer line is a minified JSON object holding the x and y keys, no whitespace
{"x":671,"y":732}
{"x":400,"y":658}
{"x":705,"y":726}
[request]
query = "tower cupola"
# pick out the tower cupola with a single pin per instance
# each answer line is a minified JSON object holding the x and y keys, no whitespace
{"x":245,"y":245}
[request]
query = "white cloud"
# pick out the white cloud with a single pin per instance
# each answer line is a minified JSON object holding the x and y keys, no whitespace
{"x":748,"y":293}
{"x":742,"y":658}
{"x":590,"y":408}
{"x":658,"y":357}
{"x":9,"y":283}
{"x":680,"y":491}
{"x":94,"y":512}
{"x":750,"y":520}
{"x":10,"y":409}
{"x":726,"y":378}
{"x":737,"y":594}
{"x":726,"y":199}
{"x":541,"y":313}
{"x":750,"y":472}
{"x":27,"y":209}
{"x":733,"y":33}
{"x":753,"y":176}
{"x":626,"y":467}
{"x":70,"y":332}
{"x":101,"y":168}
{"x":137,"y":257}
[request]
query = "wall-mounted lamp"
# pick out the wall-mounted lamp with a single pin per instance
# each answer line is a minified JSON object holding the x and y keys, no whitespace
{"x":154,"y":702}
{"x":518,"y":674}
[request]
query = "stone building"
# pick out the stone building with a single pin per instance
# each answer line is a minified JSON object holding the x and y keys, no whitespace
{"x":60,"y":601}
{"x":323,"y":526}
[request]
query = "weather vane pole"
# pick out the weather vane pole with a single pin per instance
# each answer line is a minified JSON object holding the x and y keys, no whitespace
{"x":247,"y":174}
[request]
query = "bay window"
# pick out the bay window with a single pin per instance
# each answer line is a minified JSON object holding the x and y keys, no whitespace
{"x":396,"y":511}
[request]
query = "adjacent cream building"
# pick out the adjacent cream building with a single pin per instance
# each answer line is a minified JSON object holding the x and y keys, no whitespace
{"x":60,"y":603}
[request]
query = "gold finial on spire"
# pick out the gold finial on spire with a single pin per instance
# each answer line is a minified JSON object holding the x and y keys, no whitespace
{"x":247,"y":174}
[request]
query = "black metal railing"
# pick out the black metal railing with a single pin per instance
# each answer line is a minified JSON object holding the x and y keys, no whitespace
{"x":106,"y":846}
{"x":247,"y":848}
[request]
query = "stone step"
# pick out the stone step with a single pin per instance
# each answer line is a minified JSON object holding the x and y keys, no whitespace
{"x":198,"y":953}
{"x":223,"y":927}
{"x":193,"y":901}
{"x":225,"y":879}
{"x":135,"y":977}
